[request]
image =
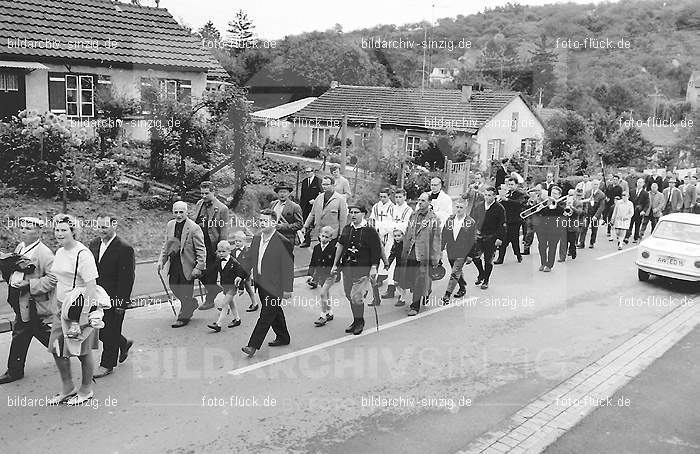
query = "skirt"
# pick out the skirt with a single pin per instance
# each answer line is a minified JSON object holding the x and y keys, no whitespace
{"x":56,"y":339}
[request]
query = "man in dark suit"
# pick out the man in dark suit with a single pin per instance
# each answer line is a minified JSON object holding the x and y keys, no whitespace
{"x":289,"y":213}
{"x":548,"y":183}
{"x":512,"y":202}
{"x":310,"y":189}
{"x":212,"y":217}
{"x":640,"y":199}
{"x":458,"y":237}
{"x":490,"y":236}
{"x":116,"y":268}
{"x":271,"y":258}
{"x":501,"y":173}
{"x":613,"y":190}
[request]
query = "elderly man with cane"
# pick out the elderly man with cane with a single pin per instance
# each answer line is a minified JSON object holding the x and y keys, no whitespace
{"x":186,"y":253}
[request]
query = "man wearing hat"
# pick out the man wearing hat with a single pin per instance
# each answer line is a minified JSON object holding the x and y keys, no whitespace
{"x":358,"y":253}
{"x":310,"y":189}
{"x":288,"y":212}
{"x":213,"y":218}
{"x":31,"y":296}
{"x":673,"y":197}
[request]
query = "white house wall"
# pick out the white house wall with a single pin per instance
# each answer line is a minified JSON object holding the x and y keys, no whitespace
{"x":499,"y":127}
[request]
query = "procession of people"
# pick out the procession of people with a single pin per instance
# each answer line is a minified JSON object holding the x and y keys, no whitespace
{"x":72,"y":300}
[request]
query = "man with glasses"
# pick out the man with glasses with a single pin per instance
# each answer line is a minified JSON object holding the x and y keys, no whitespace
{"x":358,"y":254}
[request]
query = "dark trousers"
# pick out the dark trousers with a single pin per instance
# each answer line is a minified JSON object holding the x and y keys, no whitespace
{"x":512,"y":238}
{"x":182,"y":289}
{"x":208,"y":278}
{"x":607,"y":215}
{"x":271,"y":315}
{"x":547,"y":242}
{"x":305,"y":211}
{"x":588,"y":222}
{"x":636,"y":224}
{"x":487,"y":247}
{"x":651,"y":218}
{"x":528,"y":232}
{"x":111,"y":336}
{"x":22,"y":334}
{"x":567,"y":245}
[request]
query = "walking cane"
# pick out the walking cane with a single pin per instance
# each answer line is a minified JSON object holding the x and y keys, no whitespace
{"x":201,"y":292}
{"x":167,"y":293}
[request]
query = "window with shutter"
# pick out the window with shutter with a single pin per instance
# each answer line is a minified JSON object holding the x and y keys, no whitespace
{"x":514,"y":122}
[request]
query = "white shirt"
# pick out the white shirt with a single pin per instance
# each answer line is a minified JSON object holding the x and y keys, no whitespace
{"x":263,"y":246}
{"x":279,"y":206}
{"x":382,"y":217}
{"x":103,"y":247}
{"x":400,"y":214}
{"x":488,"y":205}
{"x":442,"y":206}
{"x":224,"y":262}
{"x":457,"y":226}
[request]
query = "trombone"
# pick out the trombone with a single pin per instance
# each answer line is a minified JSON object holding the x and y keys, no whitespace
{"x":548,"y":202}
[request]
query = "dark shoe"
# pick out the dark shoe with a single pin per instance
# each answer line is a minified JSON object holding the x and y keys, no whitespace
{"x":547,"y":269}
{"x":526,"y":252}
{"x":234,"y":323}
{"x":590,"y":246}
{"x":351,"y":328}
{"x":478,"y":281}
{"x":180,"y":323}
{"x":252,"y":308}
{"x":390,"y":291}
{"x":498,"y":262}
{"x":9,"y":378}
{"x":104,"y":371}
{"x":359,"y":327}
{"x":250,"y":351}
{"x":541,"y":268}
{"x":321,"y":321}
{"x":446,"y":300}
{"x":520,"y":259}
{"x":561,"y":260}
{"x":580,"y":246}
{"x":305,"y":245}
{"x":278,"y":343}
{"x":375,"y":303}
{"x":329,"y":317}
{"x":206,"y":306}
{"x":312,"y":284}
{"x":485,"y":285}
{"x":400,"y":302}
{"x":124,"y":353}
{"x":412,"y":313}
{"x":215,"y":327}
{"x":460,"y":293}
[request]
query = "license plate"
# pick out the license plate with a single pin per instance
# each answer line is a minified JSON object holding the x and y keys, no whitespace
{"x":673,"y":261}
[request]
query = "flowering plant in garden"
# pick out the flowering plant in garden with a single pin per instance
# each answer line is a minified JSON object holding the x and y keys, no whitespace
{"x":34,"y":148}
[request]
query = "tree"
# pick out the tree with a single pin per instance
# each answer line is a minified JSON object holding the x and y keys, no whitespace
{"x":627,"y":147}
{"x":240,"y":31}
{"x":542,"y":63}
{"x":209,"y":33}
{"x":499,"y":62}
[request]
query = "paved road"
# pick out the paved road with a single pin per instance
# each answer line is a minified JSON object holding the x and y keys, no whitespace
{"x":452,"y":373}
{"x":657,"y":411}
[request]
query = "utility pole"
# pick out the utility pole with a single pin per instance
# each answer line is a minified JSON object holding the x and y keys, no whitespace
{"x":343,"y":146}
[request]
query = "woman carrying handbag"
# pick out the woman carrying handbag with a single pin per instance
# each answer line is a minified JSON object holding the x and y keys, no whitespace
{"x":79,"y":303}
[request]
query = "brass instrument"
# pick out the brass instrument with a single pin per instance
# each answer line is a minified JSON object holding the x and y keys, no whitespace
{"x":550,"y":202}
{"x":569,"y":210}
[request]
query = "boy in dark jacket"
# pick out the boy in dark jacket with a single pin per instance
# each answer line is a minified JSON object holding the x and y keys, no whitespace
{"x":232,"y":277}
{"x":400,"y":281}
{"x":320,"y":271}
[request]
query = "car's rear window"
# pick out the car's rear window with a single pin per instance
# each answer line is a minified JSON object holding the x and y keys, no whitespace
{"x":679,"y":231}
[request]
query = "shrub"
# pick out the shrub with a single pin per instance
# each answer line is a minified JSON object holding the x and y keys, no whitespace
{"x":155,"y":202}
{"x":107,"y":175}
{"x":310,"y":151}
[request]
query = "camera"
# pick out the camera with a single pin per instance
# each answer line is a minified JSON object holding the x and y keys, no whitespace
{"x":9,"y":263}
{"x":352,"y":256}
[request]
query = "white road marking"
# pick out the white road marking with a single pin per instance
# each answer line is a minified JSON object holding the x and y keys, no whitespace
{"x":617,"y":253}
{"x":346,"y":338}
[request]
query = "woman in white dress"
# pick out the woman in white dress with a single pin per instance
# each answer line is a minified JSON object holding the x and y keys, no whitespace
{"x":622,"y":217}
{"x":74,"y":266}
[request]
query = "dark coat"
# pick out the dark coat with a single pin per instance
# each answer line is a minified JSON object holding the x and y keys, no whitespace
{"x":227,"y":276}
{"x":465,"y":238}
{"x":116,"y":269}
{"x":514,"y":206}
{"x":292,"y":220}
{"x":322,"y":262}
{"x":309,"y":191}
{"x":640,"y":203}
{"x":494,"y":224}
{"x":277,"y":268}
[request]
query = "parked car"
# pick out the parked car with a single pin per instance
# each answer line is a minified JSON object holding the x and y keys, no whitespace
{"x":672,"y":250}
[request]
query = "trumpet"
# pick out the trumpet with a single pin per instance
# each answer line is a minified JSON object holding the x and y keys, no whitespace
{"x":550,"y":203}
{"x":569,"y":210}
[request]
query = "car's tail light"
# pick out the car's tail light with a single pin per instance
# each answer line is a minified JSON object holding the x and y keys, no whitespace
{"x":645,"y":254}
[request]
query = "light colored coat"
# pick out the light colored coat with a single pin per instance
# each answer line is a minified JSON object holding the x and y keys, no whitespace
{"x":334,"y":213}
{"x":40,"y":288}
{"x":675,"y":204}
{"x":419,"y":235}
{"x":657,"y":202}
{"x":193,"y":253}
{"x":689,"y":196}
{"x":622,"y":214}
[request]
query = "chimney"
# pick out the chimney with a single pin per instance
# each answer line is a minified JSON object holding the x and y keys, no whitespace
{"x":334,"y":84}
{"x":466,"y":93}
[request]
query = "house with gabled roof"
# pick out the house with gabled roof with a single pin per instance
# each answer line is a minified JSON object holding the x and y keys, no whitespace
{"x":57,"y":55}
{"x":500,"y":124}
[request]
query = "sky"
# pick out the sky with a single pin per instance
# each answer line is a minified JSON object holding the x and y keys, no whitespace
{"x":274,"y":19}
